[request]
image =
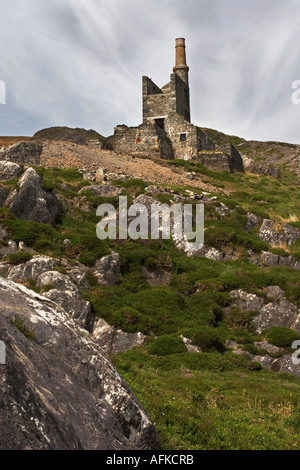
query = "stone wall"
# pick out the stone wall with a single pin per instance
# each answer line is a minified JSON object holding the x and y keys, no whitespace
{"x":226,"y":158}
{"x":187,"y":139}
{"x":178,"y":139}
{"x":146,"y":140}
{"x":183,"y":136}
{"x":235,"y":157}
{"x":216,"y":161}
{"x":160,"y":102}
{"x":156,"y":104}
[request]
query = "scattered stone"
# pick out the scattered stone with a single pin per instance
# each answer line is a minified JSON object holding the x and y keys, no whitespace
{"x":270,"y":348}
{"x":100,"y":175}
{"x":222,"y":210}
{"x":115,"y":341}
{"x":214,"y":254}
{"x":268,"y":259}
{"x":3,"y":234}
{"x":87,"y":174}
{"x":252,"y":221}
{"x":9,"y":170}
{"x":108,"y":269}
{"x":241,"y":352}
{"x":232,"y":344}
{"x":191,"y":348}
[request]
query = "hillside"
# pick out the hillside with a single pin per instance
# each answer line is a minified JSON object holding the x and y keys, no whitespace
{"x":203,"y":339}
{"x":280,"y":154}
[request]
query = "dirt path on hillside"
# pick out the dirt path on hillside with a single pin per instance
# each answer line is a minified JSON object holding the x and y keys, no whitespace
{"x":70,"y":155}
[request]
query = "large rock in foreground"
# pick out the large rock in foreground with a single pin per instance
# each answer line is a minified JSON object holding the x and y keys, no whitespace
{"x":58,"y":389}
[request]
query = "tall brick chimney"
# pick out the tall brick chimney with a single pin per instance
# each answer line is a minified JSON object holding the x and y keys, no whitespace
{"x":181,"y":67}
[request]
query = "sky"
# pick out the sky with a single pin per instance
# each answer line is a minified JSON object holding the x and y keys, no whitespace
{"x":79,"y":63}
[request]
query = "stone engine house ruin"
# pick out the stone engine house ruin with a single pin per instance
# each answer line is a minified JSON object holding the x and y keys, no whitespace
{"x":167,"y":131}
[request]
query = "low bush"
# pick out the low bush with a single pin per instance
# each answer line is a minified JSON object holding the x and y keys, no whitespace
{"x":208,"y":339}
{"x":167,"y":344}
{"x":281,"y":337}
{"x":19,"y":257}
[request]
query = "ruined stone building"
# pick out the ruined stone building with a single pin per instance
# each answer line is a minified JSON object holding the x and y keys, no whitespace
{"x":167,"y":131}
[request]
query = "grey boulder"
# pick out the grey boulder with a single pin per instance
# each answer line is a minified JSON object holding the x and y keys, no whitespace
{"x":32,"y":268}
{"x":24,"y":153}
{"x":9,"y":170}
{"x":31,"y":202}
{"x":108,"y":269}
{"x":59,"y":390}
{"x":66,"y":294}
{"x":287,"y":235}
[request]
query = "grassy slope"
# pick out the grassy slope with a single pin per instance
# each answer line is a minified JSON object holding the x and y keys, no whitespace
{"x":213,"y":400}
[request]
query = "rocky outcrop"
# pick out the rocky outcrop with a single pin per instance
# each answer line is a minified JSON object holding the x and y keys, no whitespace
{"x":62,"y":291}
{"x":245,"y":301}
{"x":79,"y":276}
{"x":278,"y":313}
{"x":108,"y":269}
{"x":252,"y":221}
{"x":9,"y":170}
{"x":31,"y":202}
{"x":287,"y":235}
{"x":264,"y":169}
{"x":280,"y":364}
{"x":58,"y":389}
{"x":24,"y":153}
{"x":113,"y":340}
{"x":32,"y":269}
{"x":276,"y":310}
{"x":268,"y":260}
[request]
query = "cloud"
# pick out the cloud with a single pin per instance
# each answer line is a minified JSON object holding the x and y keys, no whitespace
{"x":80,"y":62}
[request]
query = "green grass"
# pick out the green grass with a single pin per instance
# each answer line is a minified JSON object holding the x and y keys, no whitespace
{"x":210,"y":401}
